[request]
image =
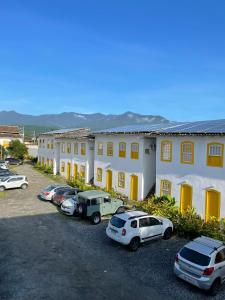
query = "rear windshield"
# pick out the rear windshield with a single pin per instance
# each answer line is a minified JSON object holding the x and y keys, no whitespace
{"x":195,"y":257}
{"x":49,"y":188}
{"x":61,"y":192}
{"x":117,"y":222}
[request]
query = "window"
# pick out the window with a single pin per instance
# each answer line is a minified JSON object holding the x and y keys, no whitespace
{"x":107,"y":200}
{"x":52,"y":145}
{"x":144,"y":222}
{"x":122,"y":149}
{"x":215,"y":154}
{"x":63,"y":147}
{"x":82,"y":171}
{"x":100,"y":148}
{"x":134,"y":151}
{"x":75,"y":148}
{"x":220,"y":256}
{"x":165,"y":188}
{"x":117,"y":222}
{"x":121,"y":180}
{"x":99,"y":174}
{"x":133,"y":224}
{"x":187,"y":153}
{"x":109,"y":149}
{"x":48,"y":145}
{"x":68,"y":147}
{"x":195,"y":257}
{"x":166,"y":151}
{"x":83,"y":149}
{"x":62,"y":167}
{"x":154,"y":222}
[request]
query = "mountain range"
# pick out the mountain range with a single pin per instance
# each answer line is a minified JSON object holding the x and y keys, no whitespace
{"x":95,"y":121}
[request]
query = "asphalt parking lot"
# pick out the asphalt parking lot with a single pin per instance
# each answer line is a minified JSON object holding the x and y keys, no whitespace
{"x":46,"y":255}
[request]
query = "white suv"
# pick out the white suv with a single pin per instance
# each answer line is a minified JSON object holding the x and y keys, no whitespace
{"x":12,"y":182}
{"x":134,"y":227}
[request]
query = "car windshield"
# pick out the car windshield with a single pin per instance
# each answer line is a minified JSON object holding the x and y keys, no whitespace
{"x":195,"y":257}
{"x":4,"y":179}
{"x":117,"y":222}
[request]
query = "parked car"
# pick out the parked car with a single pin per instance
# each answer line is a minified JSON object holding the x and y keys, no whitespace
{"x":16,"y":181}
{"x":132,"y":228}
{"x":48,"y":192}
{"x":201,"y":262}
{"x":14,"y":161}
{"x":69,"y":206}
{"x":64,"y":193}
{"x":94,"y":204}
{"x":6,"y":173}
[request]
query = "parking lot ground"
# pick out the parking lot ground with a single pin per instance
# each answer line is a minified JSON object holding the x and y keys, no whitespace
{"x":46,"y":255}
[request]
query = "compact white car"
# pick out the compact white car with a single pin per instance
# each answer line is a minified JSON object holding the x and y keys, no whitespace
{"x":48,"y":192}
{"x":69,"y":206}
{"x":134,"y":227}
{"x":12,"y":182}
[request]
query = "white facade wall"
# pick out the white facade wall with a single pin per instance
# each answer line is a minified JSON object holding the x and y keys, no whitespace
{"x":45,"y":153}
{"x":81,"y":160}
{"x":144,"y":167}
{"x":200,"y":176}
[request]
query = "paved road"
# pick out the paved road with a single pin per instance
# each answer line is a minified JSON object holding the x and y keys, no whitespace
{"x":46,"y":255}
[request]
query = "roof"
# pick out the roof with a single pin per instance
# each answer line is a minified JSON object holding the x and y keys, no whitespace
{"x":10,"y":131}
{"x":132,"y":214}
{"x":213,"y":127}
{"x":204,"y":245}
{"x":69,"y":133}
{"x":93,"y":194}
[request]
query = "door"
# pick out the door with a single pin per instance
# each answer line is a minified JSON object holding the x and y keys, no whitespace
{"x":134,"y":188}
{"x":75,"y":170}
{"x":212,"y":206}
{"x":11,"y":183}
{"x":185,"y":197}
{"x":108,"y":180}
{"x":68,"y":171}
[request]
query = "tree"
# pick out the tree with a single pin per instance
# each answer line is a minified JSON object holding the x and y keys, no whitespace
{"x":2,"y":152}
{"x":17,"y":149}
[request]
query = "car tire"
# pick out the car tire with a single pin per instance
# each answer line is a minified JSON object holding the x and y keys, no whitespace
{"x":24,"y":186}
{"x":215,"y":287}
{"x":167,"y":234}
{"x":2,"y":188}
{"x":96,"y":218}
{"x":134,"y":244}
{"x":120,"y":210}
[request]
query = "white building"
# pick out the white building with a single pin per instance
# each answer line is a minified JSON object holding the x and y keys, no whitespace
{"x":69,"y":152}
{"x":125,"y":162}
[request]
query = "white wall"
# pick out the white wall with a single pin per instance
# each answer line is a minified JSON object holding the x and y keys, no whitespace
{"x":200,"y":176}
{"x":144,"y":167}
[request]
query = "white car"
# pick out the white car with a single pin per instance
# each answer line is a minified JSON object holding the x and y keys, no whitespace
{"x":134,"y":227}
{"x":69,"y":206}
{"x":48,"y":192}
{"x":12,"y":182}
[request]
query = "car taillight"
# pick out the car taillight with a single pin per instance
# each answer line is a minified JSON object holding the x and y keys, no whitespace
{"x":124,"y":231}
{"x":208,"y":271}
{"x":177,"y":259}
{"x":46,"y":193}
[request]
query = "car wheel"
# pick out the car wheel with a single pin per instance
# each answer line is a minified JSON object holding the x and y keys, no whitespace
{"x":134,"y":244}
{"x":168,"y":233}
{"x":96,"y":218}
{"x":75,"y":213}
{"x":120,"y":210}
{"x":2,"y":188}
{"x":215,"y":287}
{"x":24,"y":186}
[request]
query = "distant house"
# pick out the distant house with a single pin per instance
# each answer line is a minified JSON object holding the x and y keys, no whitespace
{"x":9,"y":133}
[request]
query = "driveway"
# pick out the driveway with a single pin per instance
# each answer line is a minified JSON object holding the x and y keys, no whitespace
{"x":46,"y":255}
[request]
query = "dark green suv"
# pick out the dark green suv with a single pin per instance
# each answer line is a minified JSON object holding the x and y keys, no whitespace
{"x":95,"y":204}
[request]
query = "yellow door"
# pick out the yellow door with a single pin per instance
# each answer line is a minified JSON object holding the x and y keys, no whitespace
{"x":108,"y":180}
{"x":212,"y":206}
{"x":185,"y":197}
{"x":75,"y":172}
{"x":134,"y":187}
{"x":68,"y":171}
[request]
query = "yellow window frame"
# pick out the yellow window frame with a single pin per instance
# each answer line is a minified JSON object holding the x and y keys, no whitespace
{"x":75,"y":148}
{"x":182,"y":152}
{"x":100,"y":148}
{"x":62,"y":167}
{"x":99,"y":174}
{"x":121,"y":180}
{"x":122,"y":153}
{"x":170,"y":152}
{"x":169,"y":183}
{"x":134,"y":154}
{"x":82,"y":171}
{"x":110,"y":149}
{"x":215,"y":160}
{"x":68,"y":147}
{"x":83,"y":149}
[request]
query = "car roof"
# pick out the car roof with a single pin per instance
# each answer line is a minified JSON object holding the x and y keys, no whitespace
{"x":128,"y":215}
{"x":205,"y":245}
{"x":93,"y":194}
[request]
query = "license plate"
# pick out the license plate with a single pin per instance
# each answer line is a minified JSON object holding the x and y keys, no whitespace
{"x":188,"y":279}
{"x":113,"y":230}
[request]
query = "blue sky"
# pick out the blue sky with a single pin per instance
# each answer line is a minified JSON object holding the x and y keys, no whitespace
{"x":150,"y":57}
